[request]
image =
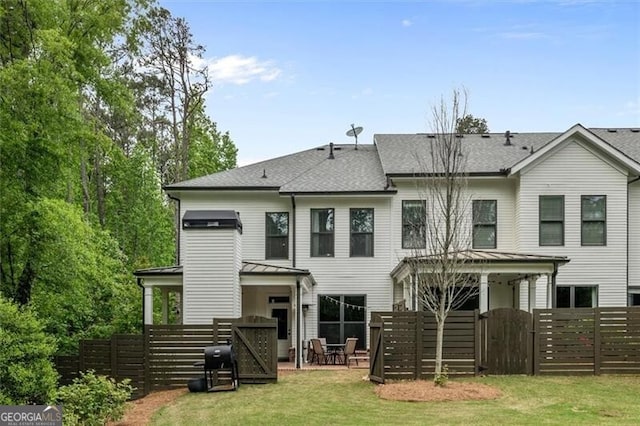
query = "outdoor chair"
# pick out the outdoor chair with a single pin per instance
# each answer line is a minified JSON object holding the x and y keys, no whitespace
{"x":350,"y":350}
{"x":319,"y":354}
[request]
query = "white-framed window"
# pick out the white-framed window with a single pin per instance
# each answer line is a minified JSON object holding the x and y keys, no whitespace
{"x":361,"y":238}
{"x":551,"y":213}
{"x":577,"y":296}
{"x":594,"y":220}
{"x":485,"y":224}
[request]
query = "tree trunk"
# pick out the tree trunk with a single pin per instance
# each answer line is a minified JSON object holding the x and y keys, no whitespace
{"x":25,"y":283}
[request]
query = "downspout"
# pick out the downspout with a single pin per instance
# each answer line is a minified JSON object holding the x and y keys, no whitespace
{"x":628,"y":242}
{"x":177,"y":225}
{"x":139,"y":282}
{"x":298,"y":287}
{"x":553,"y":284}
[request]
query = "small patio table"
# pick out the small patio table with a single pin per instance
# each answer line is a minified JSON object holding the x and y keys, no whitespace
{"x":333,"y":352}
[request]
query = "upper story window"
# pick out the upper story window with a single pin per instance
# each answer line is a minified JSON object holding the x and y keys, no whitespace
{"x":361,"y":232}
{"x":321,"y":232}
{"x":551,"y":209}
{"x":414,"y":227}
{"x":485,"y":219}
{"x":594,"y":220}
{"x":277,"y":235}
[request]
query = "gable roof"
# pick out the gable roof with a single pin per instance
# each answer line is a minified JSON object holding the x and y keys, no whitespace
{"x":578,"y":130}
{"x":366,"y":169}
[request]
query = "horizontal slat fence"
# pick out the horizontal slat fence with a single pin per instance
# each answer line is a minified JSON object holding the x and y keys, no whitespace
{"x":171,"y":352}
{"x":409,"y":344}
{"x":120,"y":357}
{"x":587,"y":341}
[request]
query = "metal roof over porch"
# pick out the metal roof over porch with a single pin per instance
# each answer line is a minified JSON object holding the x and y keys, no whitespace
{"x":488,"y":261}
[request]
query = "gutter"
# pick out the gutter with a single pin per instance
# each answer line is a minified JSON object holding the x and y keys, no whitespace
{"x":632,"y":181}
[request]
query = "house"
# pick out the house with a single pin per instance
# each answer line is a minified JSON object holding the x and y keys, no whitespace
{"x":319,"y":239}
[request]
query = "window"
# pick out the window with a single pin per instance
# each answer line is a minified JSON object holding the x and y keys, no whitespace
{"x":484,"y":224}
{"x":342,"y":316}
{"x":594,"y":220}
{"x":321,"y":232}
{"x":277,"y":236}
{"x":361,"y":232}
{"x":577,"y":296}
{"x":414,"y":214}
{"x":551,"y":210}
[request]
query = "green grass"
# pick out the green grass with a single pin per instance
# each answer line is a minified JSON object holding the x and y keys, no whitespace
{"x":342,"y":397}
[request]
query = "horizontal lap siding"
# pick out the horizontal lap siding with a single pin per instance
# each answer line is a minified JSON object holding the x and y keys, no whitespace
{"x":574,"y":171}
{"x":342,"y":274}
{"x":634,"y":234}
{"x":211,"y":286}
{"x":252,"y":207}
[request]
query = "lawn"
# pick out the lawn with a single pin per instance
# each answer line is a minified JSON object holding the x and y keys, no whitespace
{"x":342,"y":397}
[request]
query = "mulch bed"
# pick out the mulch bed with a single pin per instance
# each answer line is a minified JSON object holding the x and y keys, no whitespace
{"x":140,"y":411}
{"x":422,"y":390}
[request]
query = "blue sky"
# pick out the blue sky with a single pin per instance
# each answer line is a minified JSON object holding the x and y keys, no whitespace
{"x":292,"y":75}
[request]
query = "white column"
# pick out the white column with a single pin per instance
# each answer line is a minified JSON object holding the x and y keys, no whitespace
{"x":532,"y":292}
{"x":165,"y":305}
{"x":484,"y":293}
{"x":549,"y":292}
{"x":148,"y":305}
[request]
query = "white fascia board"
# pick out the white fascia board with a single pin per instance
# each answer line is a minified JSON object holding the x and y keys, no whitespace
{"x":587,"y":135}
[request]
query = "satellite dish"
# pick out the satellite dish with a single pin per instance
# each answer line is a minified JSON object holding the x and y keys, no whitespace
{"x":354,"y":132}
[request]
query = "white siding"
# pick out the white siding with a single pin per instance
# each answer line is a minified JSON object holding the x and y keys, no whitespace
{"x":342,"y":274}
{"x":252,"y":207}
{"x":500,"y":189}
{"x":634,"y":234}
{"x":574,"y":171}
{"x":211,"y":285}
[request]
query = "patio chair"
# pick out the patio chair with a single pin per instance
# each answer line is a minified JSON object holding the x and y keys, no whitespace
{"x":350,"y":350}
{"x":319,"y":354}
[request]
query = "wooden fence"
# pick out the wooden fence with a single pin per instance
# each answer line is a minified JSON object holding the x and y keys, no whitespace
{"x":551,"y":341}
{"x":165,"y":355}
{"x":404,"y":344}
{"x":587,"y":341}
{"x":120,"y":357}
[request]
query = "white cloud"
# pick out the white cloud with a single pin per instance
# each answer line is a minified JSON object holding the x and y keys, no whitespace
{"x":407,"y":23}
{"x":523,"y":35}
{"x":238,"y":69}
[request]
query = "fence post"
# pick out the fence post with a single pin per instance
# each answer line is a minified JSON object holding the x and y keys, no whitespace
{"x":81,"y":357}
{"x":113,"y":345}
{"x":418,"y":342}
{"x":476,"y":324}
{"x":596,"y":342}
{"x":536,"y":342}
{"x":147,"y":370}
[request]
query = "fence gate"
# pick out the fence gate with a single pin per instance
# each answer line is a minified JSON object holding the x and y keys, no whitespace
{"x":507,"y":341}
{"x":255,"y":342}
{"x":376,"y":363}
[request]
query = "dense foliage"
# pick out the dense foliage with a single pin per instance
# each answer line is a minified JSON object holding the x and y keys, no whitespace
{"x":90,"y":129}
{"x":93,"y":400}
{"x":26,"y":373}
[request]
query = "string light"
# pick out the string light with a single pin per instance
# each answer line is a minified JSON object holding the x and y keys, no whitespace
{"x":348,"y":305}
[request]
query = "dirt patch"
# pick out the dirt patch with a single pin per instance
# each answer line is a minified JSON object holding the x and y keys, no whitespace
{"x":422,"y":390}
{"x":140,"y":411}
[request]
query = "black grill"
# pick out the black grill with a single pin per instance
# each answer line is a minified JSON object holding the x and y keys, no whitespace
{"x":219,"y":364}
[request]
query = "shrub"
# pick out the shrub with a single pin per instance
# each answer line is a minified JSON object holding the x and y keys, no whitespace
{"x":27,"y":375}
{"x":94,"y":400}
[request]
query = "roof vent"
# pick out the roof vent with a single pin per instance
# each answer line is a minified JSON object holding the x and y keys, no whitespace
{"x":431,"y":136}
{"x":507,"y":137}
{"x":485,"y":135}
{"x":337,"y":148}
{"x":459,"y":135}
{"x":331,"y":157}
{"x":524,"y":147}
{"x":612,"y":130}
{"x":320,"y":148}
{"x":532,"y":150}
{"x":635,"y":130}
{"x":264,"y":173}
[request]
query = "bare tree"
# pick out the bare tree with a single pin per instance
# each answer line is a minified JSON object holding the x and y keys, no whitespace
{"x":442,"y":281}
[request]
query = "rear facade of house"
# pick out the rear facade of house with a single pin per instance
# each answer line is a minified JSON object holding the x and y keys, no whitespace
{"x":318,"y":239}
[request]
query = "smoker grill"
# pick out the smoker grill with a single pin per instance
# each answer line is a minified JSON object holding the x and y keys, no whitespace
{"x":217,"y":359}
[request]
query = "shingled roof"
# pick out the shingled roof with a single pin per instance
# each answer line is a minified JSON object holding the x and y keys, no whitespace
{"x":366,"y":169}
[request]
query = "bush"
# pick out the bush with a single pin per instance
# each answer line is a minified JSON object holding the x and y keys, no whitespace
{"x":94,"y":400}
{"x":27,"y":375}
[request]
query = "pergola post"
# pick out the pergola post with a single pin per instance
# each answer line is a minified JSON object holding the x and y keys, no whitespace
{"x":484,"y":293}
{"x":148,"y":305}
